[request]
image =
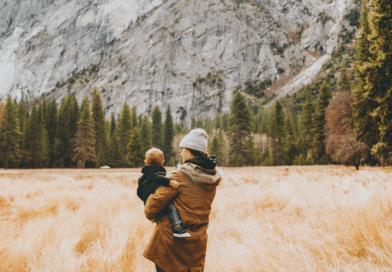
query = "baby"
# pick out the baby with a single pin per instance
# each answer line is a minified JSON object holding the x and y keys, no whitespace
{"x":154,"y":176}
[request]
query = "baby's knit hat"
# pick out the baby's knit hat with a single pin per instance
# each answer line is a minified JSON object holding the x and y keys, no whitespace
{"x":196,"y":140}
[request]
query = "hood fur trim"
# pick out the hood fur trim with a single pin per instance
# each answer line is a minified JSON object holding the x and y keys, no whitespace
{"x":201,"y":176}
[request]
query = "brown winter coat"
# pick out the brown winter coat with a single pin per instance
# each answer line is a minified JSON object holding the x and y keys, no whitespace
{"x":193,"y":200}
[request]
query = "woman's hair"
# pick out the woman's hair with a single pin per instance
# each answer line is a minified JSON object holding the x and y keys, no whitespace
{"x":154,"y":157}
{"x":197,"y":153}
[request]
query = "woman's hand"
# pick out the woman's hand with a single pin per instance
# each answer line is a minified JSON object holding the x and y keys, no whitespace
{"x":174,"y":184}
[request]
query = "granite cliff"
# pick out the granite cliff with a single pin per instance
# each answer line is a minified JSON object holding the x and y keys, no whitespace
{"x":191,"y":54}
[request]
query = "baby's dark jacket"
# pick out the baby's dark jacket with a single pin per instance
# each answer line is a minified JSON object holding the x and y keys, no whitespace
{"x":153,"y":177}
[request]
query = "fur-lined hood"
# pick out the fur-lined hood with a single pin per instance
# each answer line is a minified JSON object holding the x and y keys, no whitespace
{"x":203,"y":177}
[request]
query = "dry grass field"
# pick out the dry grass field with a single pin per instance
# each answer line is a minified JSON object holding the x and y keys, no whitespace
{"x":327,"y":218}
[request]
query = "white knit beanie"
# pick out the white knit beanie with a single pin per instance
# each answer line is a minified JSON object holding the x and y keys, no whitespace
{"x":196,"y":140}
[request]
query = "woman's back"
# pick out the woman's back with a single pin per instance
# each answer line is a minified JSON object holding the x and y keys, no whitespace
{"x":193,"y":200}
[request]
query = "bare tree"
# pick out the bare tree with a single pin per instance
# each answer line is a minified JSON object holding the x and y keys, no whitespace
{"x":341,"y":143}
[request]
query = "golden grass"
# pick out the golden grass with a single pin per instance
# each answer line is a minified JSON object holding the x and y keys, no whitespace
{"x":321,"y":218}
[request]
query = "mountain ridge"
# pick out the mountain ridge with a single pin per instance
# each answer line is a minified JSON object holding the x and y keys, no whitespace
{"x":166,"y":52}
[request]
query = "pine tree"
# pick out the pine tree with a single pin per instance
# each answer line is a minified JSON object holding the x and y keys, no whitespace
{"x":344,"y":83}
{"x":9,"y":135}
{"x":363,"y":122}
{"x":215,"y":148}
{"x":278,"y":134}
{"x":114,"y":155}
{"x":157,"y":128}
{"x":101,"y":157}
{"x":60,"y":142}
{"x":145,"y":136}
{"x":134,"y":155}
{"x":218,"y":121}
{"x":208,"y":125}
{"x":318,"y":149}
{"x":99,"y":123}
{"x":51,"y":127}
{"x":66,"y":130}
{"x":23,"y":115}
{"x":113,"y":124}
{"x":139,"y":121}
{"x":125,"y":131}
{"x":193,"y":122}
{"x":85,"y":137}
{"x":307,"y":121}
{"x":378,"y":71}
{"x":225,"y":121}
{"x":240,"y":128}
{"x":301,"y":147}
{"x":224,"y":159}
{"x":134,"y":118}
{"x":200,"y":123}
{"x":35,"y":148}
{"x":168,"y":136}
{"x":42,"y":109}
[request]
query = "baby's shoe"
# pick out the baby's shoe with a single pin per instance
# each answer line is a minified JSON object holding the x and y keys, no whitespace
{"x":179,"y":232}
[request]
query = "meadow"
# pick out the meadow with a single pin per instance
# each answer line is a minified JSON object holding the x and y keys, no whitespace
{"x":299,"y":218}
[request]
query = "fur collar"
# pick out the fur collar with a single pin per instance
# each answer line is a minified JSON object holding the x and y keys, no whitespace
{"x":203,"y":177}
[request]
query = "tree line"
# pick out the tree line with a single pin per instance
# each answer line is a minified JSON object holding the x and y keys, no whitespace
{"x":353,"y":125}
{"x":71,"y":135}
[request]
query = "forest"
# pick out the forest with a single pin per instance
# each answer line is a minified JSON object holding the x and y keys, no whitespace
{"x":344,"y":117}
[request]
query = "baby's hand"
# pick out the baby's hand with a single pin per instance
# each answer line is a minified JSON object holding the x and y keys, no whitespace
{"x":174,"y":184}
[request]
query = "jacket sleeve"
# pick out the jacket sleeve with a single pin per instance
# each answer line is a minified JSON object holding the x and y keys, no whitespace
{"x":157,"y":201}
{"x":161,"y":179}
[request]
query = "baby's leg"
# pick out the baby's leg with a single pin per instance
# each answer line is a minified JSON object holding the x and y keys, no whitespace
{"x":176,"y":222}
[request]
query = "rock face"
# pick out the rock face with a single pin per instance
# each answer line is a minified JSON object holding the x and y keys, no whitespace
{"x":191,"y":54}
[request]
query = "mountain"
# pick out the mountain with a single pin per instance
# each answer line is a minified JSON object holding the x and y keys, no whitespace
{"x":191,"y":54}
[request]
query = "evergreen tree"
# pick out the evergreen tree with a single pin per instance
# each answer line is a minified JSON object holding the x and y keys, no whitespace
{"x":258,"y":121}
{"x":307,"y":121}
{"x":134,"y":118}
{"x":218,"y":121}
{"x":125,"y":131}
{"x":318,"y":149}
{"x":51,"y":127}
{"x":99,"y":123}
{"x":223,"y":160}
{"x":225,"y":121}
{"x":363,"y":122}
{"x":145,"y":136}
{"x":193,"y":123}
{"x":157,"y":128}
{"x":215,"y":148}
{"x":42,"y":109}
{"x":135,"y":155}
{"x":35,"y":148}
{"x":9,"y":135}
{"x":114,"y":155}
{"x":378,"y":71}
{"x":113,"y":124}
{"x":101,"y":158}
{"x":200,"y":123}
{"x":85,"y":137}
{"x":344,"y":83}
{"x":64,"y":145}
{"x":278,"y":134}
{"x":60,"y":142}
{"x":71,"y":128}
{"x":168,"y":136}
{"x":208,"y":125}
{"x":23,"y":115}
{"x":301,"y":147}
{"x":139,"y":121}
{"x":240,"y":128}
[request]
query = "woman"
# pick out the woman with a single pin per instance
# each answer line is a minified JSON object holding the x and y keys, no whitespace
{"x":198,"y":179}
